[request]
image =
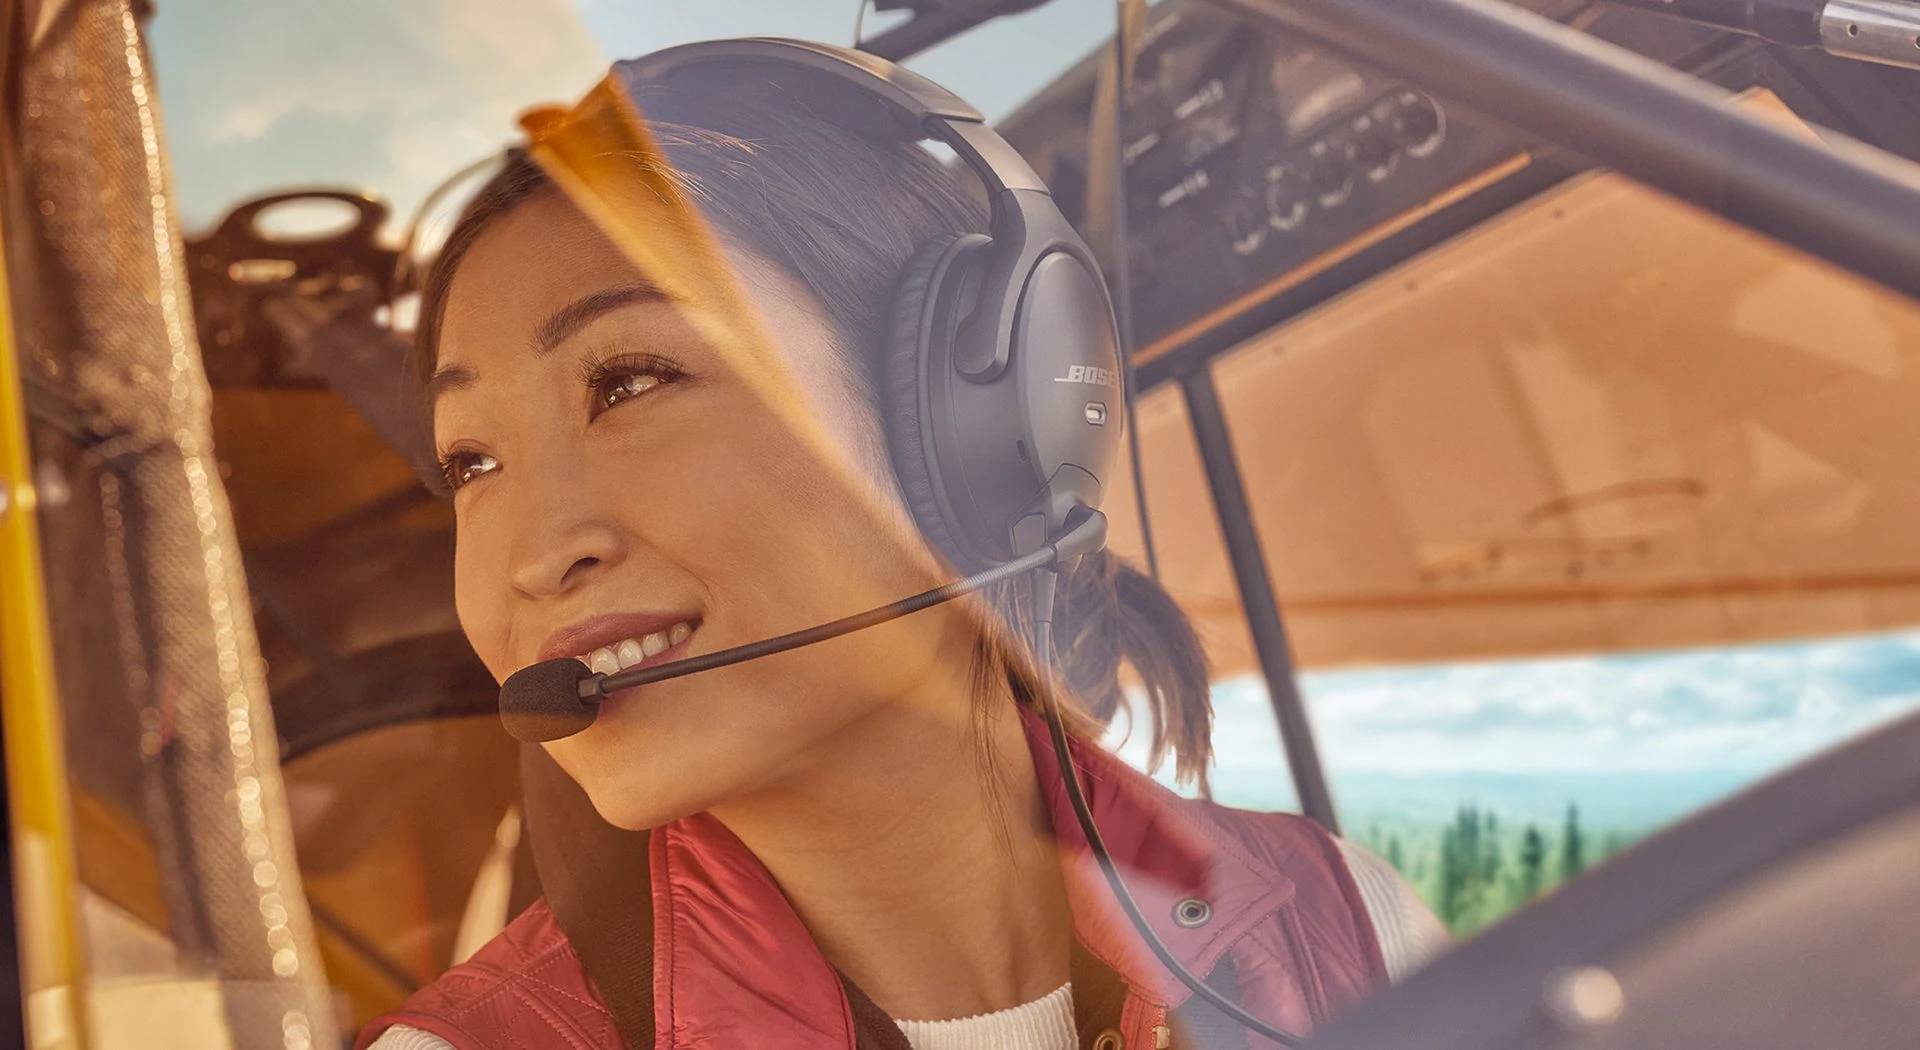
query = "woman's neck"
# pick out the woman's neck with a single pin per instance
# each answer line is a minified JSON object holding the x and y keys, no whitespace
{"x":922,"y":860}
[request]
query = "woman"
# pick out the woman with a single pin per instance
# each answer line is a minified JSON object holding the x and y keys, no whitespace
{"x":864,"y":842}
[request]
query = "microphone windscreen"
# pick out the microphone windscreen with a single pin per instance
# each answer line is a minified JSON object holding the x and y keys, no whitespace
{"x":542,"y":701}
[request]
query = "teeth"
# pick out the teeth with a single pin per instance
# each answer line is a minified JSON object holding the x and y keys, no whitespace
{"x":613,"y":658}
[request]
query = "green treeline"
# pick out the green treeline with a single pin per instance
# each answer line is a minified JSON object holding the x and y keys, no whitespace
{"x":1475,"y":869}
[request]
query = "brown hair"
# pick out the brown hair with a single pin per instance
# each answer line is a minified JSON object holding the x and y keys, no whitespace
{"x":842,"y":212}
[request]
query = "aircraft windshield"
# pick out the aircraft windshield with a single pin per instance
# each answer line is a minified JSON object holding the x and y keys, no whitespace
{"x":1480,"y":507}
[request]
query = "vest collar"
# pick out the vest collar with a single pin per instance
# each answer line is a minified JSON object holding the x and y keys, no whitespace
{"x":732,"y":961}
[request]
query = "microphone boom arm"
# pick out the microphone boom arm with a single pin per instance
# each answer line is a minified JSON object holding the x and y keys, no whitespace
{"x":1086,"y":532}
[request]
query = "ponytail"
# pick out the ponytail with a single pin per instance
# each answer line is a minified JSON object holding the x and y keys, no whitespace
{"x":1110,"y":618}
{"x":1115,"y":616}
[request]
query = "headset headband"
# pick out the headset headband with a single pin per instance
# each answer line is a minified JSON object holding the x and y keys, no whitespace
{"x":911,"y":107}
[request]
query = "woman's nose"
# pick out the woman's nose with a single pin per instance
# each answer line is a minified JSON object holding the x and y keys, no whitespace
{"x":565,"y":544}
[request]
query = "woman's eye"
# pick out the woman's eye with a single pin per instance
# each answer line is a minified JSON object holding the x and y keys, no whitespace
{"x":616,"y":380}
{"x":618,"y":388}
{"x":460,"y":467}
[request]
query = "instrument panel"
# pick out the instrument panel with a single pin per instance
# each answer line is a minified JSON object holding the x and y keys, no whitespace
{"x":1248,"y":154}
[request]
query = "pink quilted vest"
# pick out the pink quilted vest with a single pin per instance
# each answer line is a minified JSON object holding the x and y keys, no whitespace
{"x":734,"y":967}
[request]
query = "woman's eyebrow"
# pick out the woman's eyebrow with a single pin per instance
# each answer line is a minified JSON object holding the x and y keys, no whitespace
{"x":446,"y":380}
{"x":553,"y":331}
{"x":585,"y":310}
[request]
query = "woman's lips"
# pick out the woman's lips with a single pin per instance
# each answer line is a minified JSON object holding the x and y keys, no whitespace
{"x":583,"y":640}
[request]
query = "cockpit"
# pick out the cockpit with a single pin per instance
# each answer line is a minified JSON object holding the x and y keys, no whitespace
{"x":1497,"y":413}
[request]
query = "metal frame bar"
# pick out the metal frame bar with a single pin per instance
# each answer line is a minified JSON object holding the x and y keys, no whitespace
{"x":939,"y":25}
{"x":1787,"y":23}
{"x":1841,"y":200}
{"x":1257,"y":597}
{"x":51,"y":968}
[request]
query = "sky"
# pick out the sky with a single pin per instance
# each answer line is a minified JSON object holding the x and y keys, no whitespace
{"x":1737,"y":708}
{"x":1640,"y":737}
{"x":394,"y":97}
{"x":995,"y":67}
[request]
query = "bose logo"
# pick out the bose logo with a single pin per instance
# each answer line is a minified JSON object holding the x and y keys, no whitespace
{"x":1092,"y":375}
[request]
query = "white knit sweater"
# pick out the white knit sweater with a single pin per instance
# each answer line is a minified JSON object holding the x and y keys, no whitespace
{"x":1409,"y":935}
{"x":1044,"y":1024}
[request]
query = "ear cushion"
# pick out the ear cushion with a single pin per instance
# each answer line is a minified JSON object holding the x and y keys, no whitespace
{"x":900,"y":385}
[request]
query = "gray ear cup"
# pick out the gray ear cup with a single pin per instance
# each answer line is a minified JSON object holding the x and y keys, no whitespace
{"x":989,"y":467}
{"x":904,"y":358}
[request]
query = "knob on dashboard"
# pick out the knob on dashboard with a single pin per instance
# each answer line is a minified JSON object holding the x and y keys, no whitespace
{"x":1416,"y":124}
{"x":1374,"y":155}
{"x":1287,"y":198}
{"x":1331,"y":175}
{"x":1246,"y":222}
{"x":1329,"y":172}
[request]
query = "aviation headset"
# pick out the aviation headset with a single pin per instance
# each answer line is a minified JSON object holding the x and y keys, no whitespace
{"x":1000,"y":386}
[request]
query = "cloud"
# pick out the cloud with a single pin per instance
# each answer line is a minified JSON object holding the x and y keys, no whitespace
{"x":1748,"y":708}
{"x":392,"y":97}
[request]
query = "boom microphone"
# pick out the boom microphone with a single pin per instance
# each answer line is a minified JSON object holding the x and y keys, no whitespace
{"x":558,"y":698}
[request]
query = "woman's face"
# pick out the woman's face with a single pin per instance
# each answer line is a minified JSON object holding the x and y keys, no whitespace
{"x":625,"y":493}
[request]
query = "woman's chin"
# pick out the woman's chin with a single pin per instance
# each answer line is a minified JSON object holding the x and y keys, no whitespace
{"x":637,"y":807}
{"x":631,"y":788}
